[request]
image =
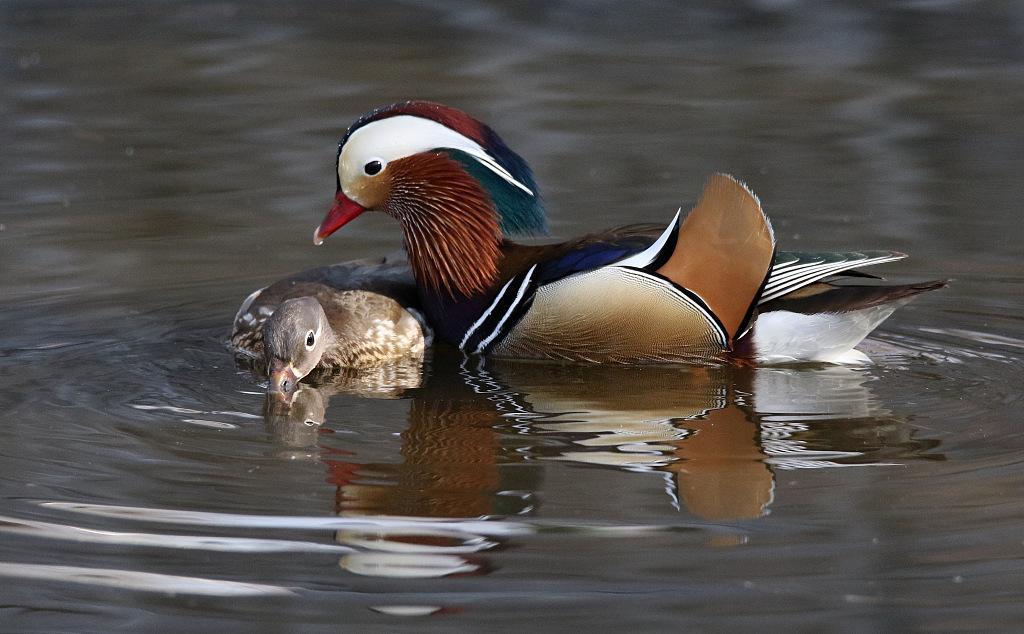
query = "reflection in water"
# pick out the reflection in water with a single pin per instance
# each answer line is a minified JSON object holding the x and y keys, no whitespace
{"x":295,"y":422}
{"x":421,"y":562}
{"x":720,"y":432}
{"x":479,"y":434}
{"x":385,"y":381}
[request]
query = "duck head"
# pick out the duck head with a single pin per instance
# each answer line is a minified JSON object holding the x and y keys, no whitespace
{"x":450,"y":181}
{"x":295,"y":337}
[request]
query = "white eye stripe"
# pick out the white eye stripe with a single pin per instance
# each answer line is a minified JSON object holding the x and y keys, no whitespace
{"x":404,"y":135}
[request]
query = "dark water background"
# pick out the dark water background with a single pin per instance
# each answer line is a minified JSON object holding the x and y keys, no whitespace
{"x":162,"y":159}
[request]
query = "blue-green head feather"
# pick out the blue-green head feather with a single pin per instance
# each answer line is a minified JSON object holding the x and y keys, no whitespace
{"x":519,"y":212}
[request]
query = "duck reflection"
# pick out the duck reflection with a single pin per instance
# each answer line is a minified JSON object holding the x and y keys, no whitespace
{"x":480,"y":434}
{"x":295,"y":421}
{"x":722,"y":433}
{"x":448,"y":468}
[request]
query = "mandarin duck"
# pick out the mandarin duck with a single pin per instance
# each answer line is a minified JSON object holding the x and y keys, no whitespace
{"x":707,"y":288}
{"x":351,"y":315}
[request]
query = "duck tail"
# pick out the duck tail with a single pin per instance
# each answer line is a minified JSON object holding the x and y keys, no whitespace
{"x":823,"y":322}
{"x":836,"y":298}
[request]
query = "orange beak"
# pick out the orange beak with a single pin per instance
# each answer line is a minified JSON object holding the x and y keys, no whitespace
{"x":344,"y":211}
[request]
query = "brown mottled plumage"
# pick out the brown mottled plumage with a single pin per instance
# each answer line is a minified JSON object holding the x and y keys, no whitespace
{"x":390,"y":277}
{"x":297,"y":325}
{"x":369,"y":330}
{"x":340,"y":329}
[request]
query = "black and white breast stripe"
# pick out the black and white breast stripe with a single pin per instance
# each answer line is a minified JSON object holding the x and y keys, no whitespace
{"x":516,"y":296}
{"x":512,"y":301}
{"x":788,"y":276}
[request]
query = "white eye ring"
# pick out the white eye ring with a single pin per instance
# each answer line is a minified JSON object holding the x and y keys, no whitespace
{"x":374,"y":166}
{"x":310,"y":340}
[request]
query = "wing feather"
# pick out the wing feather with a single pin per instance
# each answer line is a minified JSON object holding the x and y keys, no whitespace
{"x":793,"y":270}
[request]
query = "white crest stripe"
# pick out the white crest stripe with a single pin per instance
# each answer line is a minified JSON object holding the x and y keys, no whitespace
{"x":400,"y":136}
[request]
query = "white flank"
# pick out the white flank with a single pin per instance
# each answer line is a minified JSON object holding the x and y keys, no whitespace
{"x":785,"y":337}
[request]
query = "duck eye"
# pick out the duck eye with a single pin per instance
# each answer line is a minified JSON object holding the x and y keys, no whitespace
{"x":373,"y":168}
{"x":310,"y":339}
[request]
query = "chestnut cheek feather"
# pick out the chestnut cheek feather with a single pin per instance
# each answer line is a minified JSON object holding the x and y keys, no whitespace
{"x":449,"y":223}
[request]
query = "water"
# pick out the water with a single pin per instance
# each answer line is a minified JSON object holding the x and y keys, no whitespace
{"x":161,"y":160}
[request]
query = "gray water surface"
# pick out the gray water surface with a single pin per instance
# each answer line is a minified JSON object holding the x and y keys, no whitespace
{"x":162,"y":160}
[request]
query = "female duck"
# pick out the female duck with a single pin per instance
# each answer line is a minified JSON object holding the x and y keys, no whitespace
{"x":709,"y":287}
{"x":344,"y":316}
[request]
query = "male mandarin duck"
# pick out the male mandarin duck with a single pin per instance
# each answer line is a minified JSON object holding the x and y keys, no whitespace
{"x":351,"y":315}
{"x":711,"y":287}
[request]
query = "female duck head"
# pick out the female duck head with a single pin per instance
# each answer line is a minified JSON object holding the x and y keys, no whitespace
{"x":294,"y":340}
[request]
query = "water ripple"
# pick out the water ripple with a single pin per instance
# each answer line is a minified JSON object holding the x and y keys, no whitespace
{"x":144,"y":581}
{"x":382,"y":523}
{"x":31,"y":528}
{"x":477,"y":529}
